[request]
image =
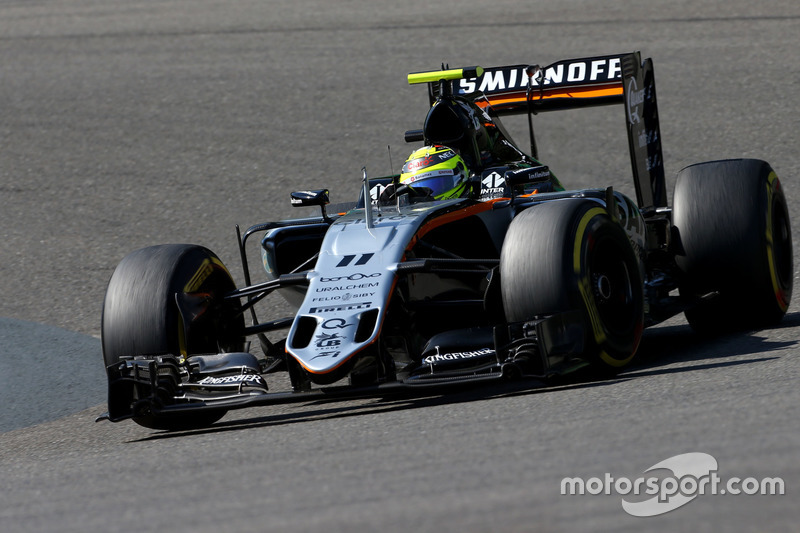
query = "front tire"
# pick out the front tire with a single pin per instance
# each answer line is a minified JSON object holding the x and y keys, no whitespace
{"x":141,"y":315}
{"x":735,"y":239}
{"x":569,"y":254}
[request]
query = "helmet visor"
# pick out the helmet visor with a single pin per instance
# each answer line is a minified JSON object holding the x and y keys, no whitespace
{"x":438,"y":181}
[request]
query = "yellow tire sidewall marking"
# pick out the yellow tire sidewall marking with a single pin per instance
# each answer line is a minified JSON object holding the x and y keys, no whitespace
{"x":203,"y":272}
{"x":584,"y":287}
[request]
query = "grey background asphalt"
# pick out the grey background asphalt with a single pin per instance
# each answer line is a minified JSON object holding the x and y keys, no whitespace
{"x":46,"y":372}
{"x":125,"y":124}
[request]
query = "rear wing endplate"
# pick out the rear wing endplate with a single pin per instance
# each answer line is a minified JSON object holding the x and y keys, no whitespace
{"x":644,"y":133}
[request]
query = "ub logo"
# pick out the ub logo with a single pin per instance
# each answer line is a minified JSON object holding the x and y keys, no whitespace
{"x":328,"y":340}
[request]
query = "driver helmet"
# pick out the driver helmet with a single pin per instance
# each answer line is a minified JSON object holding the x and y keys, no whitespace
{"x":437,"y":168}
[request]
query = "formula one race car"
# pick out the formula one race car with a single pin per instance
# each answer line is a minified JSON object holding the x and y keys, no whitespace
{"x":474,"y":264}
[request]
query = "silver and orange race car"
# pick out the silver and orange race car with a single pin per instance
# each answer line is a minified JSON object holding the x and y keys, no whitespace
{"x":517,"y":277}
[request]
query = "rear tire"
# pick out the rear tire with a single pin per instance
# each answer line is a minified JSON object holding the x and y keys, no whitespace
{"x":141,"y":316}
{"x":569,"y":254}
{"x":735,"y":239}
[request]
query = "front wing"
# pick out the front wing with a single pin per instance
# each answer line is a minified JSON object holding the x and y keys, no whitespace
{"x":166,"y":386}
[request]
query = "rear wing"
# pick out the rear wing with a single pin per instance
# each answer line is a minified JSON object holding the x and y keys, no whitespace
{"x":569,"y":84}
{"x":565,"y":84}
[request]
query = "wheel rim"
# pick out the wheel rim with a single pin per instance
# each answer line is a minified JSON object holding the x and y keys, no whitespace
{"x":612,"y":289}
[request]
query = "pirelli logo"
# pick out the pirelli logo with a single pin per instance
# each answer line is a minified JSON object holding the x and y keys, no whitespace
{"x":337,"y":308}
{"x":203,"y":272}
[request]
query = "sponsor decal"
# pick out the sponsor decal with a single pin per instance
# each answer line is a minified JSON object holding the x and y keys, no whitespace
{"x":335,"y":323}
{"x":493,"y":180}
{"x":653,"y":161}
{"x":326,"y":354}
{"x":428,"y":160}
{"x":203,"y":272}
{"x":635,"y":101}
{"x":492,"y":186}
{"x":328,"y":340}
{"x":351,"y":287}
{"x":576,"y":72}
{"x":456,"y":355}
{"x":491,"y":194}
{"x":343,"y":297}
{"x":419,"y":163}
{"x":646,"y":138}
{"x":540,"y":174}
{"x":352,"y":277}
{"x":431,"y":174}
{"x":337,"y":308}
{"x":199,"y":277}
{"x":230,"y":380}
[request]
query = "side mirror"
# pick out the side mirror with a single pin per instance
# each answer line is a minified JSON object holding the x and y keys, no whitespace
{"x":318,"y":197}
{"x":414,"y":136}
{"x":540,"y":174}
{"x":307,"y":198}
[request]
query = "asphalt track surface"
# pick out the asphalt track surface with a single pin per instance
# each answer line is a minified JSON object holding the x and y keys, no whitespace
{"x":126,"y":124}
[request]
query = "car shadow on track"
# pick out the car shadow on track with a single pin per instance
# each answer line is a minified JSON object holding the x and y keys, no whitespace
{"x":664,"y":350}
{"x":667,"y":345}
{"x":401,"y":401}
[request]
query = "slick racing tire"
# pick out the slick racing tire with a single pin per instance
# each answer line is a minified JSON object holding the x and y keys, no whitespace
{"x":141,"y":314}
{"x":568,"y":255}
{"x":734,"y":243}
